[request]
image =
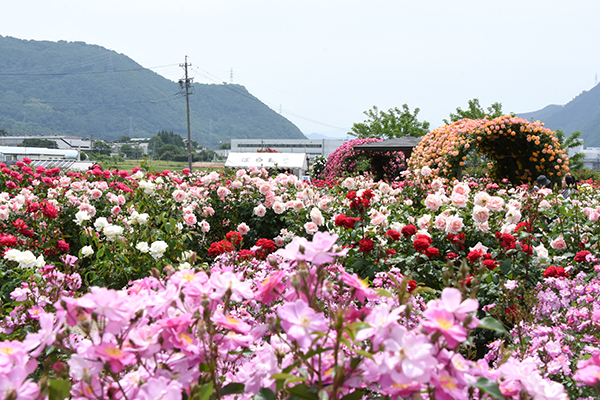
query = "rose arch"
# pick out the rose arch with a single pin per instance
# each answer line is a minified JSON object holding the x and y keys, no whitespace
{"x":512,"y":147}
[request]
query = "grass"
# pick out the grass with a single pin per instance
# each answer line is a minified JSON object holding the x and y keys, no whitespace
{"x":160,"y":165}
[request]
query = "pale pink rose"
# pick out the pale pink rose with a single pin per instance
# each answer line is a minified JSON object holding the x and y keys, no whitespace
{"x":115,"y":210}
{"x":208,"y":212}
{"x":440,"y":222}
{"x":462,"y":188}
{"x":4,"y":213}
{"x":260,"y":210}
{"x":297,"y":205}
{"x":495,"y":203}
{"x":324,"y":204}
{"x":513,"y":215}
{"x":348,"y":183}
{"x":316,"y":216}
{"x":223,"y":191}
{"x":269,"y":201}
{"x":179,"y":196}
{"x":508,"y":228}
{"x":437,"y":184}
{"x":278,"y":207}
{"x":378,"y":218}
{"x":459,"y":200}
{"x":481,"y":199}
{"x":204,"y":226}
{"x":190,"y":219}
{"x":481,"y":214}
{"x":433,"y":202}
{"x":514,"y":203}
{"x":77,"y":186}
{"x":426,"y":171}
{"x":594,"y":216}
{"x":265,"y":189}
{"x":279,"y":241}
{"x":311,"y":228}
{"x":236,"y":184}
{"x":240,"y":172}
{"x":96,"y":193}
{"x":558,"y":243}
{"x":483,"y":227}
{"x":545,"y":204}
{"x":424,"y":222}
{"x":454,"y":224}
{"x":243,"y":228}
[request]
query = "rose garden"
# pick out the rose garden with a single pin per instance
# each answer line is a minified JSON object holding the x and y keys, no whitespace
{"x":443,"y":284}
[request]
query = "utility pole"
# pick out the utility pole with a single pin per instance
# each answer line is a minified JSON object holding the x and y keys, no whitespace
{"x":187,"y":84}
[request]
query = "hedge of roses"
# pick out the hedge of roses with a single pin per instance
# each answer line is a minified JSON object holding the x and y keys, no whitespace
{"x":150,"y":285}
{"x":346,"y":161}
{"x":517,"y":149}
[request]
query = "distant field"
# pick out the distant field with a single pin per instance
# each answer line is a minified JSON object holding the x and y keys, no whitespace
{"x":159,"y":165}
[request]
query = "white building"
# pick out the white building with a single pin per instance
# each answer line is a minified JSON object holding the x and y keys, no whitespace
{"x":312,"y":147}
{"x":62,"y":142}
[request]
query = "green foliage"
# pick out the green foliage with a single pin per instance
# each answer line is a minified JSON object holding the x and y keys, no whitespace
{"x":73,"y":88}
{"x":101,"y":147}
{"x":35,"y":142}
{"x":225,"y":146}
{"x":394,"y":123}
{"x":476,"y":111}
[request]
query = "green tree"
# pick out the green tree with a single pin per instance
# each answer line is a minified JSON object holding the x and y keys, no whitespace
{"x":124,"y":139}
{"x":394,"y":123}
{"x":101,"y":147}
{"x":572,"y":142}
{"x":225,"y":146}
{"x":476,"y":111}
{"x":35,"y":142}
{"x":3,"y":132}
{"x":129,"y":151}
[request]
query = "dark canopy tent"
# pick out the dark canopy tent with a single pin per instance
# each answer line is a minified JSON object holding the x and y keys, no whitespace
{"x":404,"y":144}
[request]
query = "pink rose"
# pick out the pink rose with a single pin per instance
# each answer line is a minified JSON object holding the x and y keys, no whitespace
{"x":440,"y":222}
{"x":190,"y":219}
{"x":481,"y":214}
{"x":559,"y":243}
{"x":459,"y":200}
{"x":433,"y":202}
{"x":454,"y":224}
{"x":495,"y":203}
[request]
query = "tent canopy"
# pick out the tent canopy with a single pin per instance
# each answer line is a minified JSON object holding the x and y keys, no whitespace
{"x":404,"y":144}
{"x":267,"y":160}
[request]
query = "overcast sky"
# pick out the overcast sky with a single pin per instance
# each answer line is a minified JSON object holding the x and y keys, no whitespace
{"x":323,"y":63}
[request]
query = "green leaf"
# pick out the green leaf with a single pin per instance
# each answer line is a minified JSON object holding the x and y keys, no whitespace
{"x":206,"y":391}
{"x":283,"y":376}
{"x":364,"y":354}
{"x":264,"y":394}
{"x":491,"y":324}
{"x":303,"y":391}
{"x":489,"y":387}
{"x":59,"y":389}
{"x":356,"y":395}
{"x":233,"y":388}
{"x":384,"y":293}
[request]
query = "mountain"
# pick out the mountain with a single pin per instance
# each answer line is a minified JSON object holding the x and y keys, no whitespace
{"x":580,"y":114}
{"x":74,"y":88}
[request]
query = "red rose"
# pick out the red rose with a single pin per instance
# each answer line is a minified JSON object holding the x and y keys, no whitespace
{"x":432,"y":252}
{"x":351,"y":195}
{"x":393,"y":235}
{"x":475,"y":255}
{"x":245,"y":255}
{"x":408,"y":230}
{"x":365,"y":246}
{"x":391,"y":252}
{"x":421,"y":243}
{"x":490,"y":264}
{"x":451,"y":256}
{"x":581,"y":255}
{"x":411,"y":286}
{"x":555,"y":272}
{"x":234,"y":237}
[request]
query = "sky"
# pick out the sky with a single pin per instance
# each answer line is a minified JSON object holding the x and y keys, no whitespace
{"x":323,"y":63}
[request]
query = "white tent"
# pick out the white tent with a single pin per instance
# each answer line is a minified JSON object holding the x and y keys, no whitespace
{"x":295,"y":162}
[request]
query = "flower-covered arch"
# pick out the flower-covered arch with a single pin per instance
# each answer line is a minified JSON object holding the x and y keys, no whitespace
{"x":517,"y":149}
{"x":347,"y":161}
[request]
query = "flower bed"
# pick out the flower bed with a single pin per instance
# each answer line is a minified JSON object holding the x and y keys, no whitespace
{"x":119,"y":285}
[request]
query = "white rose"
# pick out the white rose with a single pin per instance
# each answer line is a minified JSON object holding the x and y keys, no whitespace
{"x":87,"y":251}
{"x":143,"y":247}
{"x":157,"y":249}
{"x":101,"y":223}
{"x":12,"y":254}
{"x":81,"y":217}
{"x":113,"y":232}
{"x":26,"y":259}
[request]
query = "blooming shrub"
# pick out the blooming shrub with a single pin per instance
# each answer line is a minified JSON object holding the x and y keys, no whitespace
{"x":518,"y":150}
{"x":346,"y":161}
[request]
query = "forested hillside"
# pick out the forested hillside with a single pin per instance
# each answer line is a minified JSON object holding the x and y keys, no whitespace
{"x":77,"y":89}
{"x":580,"y":114}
